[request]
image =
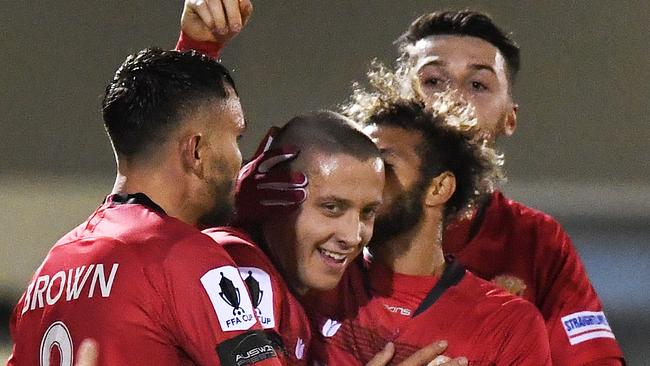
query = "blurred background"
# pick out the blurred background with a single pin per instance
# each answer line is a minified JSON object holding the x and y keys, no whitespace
{"x":580,"y":153}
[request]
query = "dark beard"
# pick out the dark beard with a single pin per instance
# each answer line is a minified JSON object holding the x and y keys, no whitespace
{"x":405,"y":212}
{"x":223,"y":209}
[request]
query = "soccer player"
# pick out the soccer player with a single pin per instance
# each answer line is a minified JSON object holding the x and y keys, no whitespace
{"x":407,"y":292}
{"x":299,"y":241}
{"x":138,"y":276}
{"x":287,"y":251}
{"x":296,"y":245}
{"x":522,"y":249}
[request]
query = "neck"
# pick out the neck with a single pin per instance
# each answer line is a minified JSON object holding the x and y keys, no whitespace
{"x":423,"y":255}
{"x":162,"y":184}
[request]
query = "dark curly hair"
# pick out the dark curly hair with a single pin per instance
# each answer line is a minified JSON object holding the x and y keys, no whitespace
{"x":448,"y":131}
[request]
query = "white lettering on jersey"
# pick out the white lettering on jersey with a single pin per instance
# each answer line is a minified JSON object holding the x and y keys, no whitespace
{"x":104,"y":287}
{"x":585,"y":325}
{"x":330,"y":327}
{"x":398,"y":309}
{"x":54,"y":286}
{"x":74,"y":290}
{"x":57,"y":336}
{"x":261,"y":290}
{"x":52,"y":299}
{"x":229,"y":298}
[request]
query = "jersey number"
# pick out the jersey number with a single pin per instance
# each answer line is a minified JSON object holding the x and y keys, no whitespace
{"x":57,"y":338}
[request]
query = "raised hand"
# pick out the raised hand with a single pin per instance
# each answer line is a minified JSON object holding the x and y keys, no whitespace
{"x":215,"y":21}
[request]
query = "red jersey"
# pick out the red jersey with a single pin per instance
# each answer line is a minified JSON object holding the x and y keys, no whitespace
{"x":149,"y":288}
{"x":528,"y":252}
{"x":274,"y":303}
{"x":374,"y":306}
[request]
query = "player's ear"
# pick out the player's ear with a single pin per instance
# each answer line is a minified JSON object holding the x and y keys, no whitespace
{"x":511,"y":120}
{"x":441,"y":189}
{"x":192,"y":153}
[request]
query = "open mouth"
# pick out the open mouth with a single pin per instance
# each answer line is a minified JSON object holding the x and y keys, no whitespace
{"x":332,"y":257}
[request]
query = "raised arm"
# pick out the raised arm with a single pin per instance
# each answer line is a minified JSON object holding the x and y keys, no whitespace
{"x":207,"y":25}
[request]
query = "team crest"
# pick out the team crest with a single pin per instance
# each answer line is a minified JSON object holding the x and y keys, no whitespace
{"x":512,"y":284}
{"x":261,"y":290}
{"x":229,"y":297}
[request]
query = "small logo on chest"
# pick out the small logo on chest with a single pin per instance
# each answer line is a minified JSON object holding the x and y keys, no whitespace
{"x":398,"y":309}
{"x":330,"y":327}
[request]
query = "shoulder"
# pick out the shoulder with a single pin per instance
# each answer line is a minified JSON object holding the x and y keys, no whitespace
{"x":226,"y":235}
{"x":520,"y":219}
{"x":526,"y":215}
{"x":239,"y":245}
{"x":488,"y":297}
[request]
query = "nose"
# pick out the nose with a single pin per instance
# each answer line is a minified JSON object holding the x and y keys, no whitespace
{"x":350,"y":231}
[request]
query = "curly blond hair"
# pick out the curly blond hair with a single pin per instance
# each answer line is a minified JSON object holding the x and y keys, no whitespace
{"x":449,"y":126}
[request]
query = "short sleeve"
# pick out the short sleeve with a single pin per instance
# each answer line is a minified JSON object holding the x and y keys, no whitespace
{"x":209,"y":310}
{"x":578,"y":329}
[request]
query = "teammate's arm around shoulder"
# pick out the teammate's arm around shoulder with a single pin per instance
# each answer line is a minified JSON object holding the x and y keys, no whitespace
{"x":209,"y":312}
{"x":207,"y":25}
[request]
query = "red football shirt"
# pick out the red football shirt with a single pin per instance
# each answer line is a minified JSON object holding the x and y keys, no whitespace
{"x":372,"y":307}
{"x":274,"y":303}
{"x":531,"y":253}
{"x":522,"y":247}
{"x":150,"y":289}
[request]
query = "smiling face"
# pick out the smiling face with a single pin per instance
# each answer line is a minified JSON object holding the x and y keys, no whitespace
{"x":314,"y":245}
{"x":473,"y":67}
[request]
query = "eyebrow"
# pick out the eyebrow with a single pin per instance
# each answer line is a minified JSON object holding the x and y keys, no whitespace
{"x":336,"y":199}
{"x":348,"y":203}
{"x":477,"y":67}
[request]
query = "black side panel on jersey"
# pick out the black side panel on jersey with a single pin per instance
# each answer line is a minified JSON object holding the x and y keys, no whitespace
{"x":453,"y":273}
{"x":246,"y":349}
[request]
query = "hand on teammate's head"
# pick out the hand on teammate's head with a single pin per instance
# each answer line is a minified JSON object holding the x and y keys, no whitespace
{"x":266,"y":185}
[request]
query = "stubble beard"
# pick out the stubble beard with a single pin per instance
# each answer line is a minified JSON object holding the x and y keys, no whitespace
{"x":223,"y":205}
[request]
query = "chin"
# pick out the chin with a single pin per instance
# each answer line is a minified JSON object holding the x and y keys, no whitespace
{"x":320,"y":283}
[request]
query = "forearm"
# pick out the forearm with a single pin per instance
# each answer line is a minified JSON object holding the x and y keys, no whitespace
{"x":186,"y":43}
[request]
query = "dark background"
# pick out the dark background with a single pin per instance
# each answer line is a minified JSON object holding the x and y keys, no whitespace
{"x":580,"y":153}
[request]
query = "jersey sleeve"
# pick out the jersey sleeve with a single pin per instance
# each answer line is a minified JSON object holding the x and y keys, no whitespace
{"x":209,"y":310}
{"x":278,"y":311}
{"x":525,"y":338}
{"x":577,"y":326}
{"x":185,"y":43}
